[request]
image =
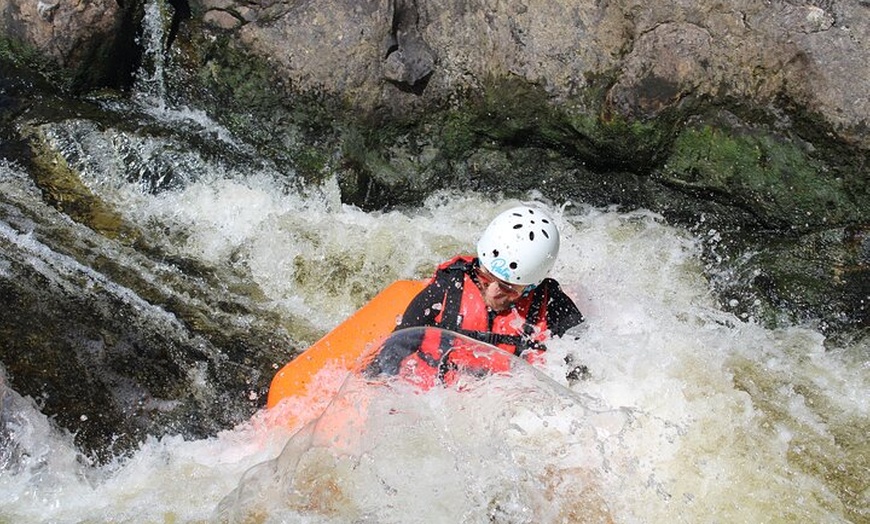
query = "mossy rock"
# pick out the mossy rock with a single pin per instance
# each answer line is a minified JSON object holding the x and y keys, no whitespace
{"x":821,"y":278}
{"x":298,"y":131}
{"x":772,"y":177}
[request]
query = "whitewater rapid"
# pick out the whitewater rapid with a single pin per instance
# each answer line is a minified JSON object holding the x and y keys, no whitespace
{"x":688,"y":414}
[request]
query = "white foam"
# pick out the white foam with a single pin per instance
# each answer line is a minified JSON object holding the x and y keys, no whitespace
{"x":688,"y":415}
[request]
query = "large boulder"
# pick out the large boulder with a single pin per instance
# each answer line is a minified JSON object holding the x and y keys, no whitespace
{"x":404,"y":54}
{"x":82,"y":43}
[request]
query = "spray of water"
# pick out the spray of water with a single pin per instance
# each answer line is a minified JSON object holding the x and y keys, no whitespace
{"x":687,"y":414}
{"x":150,"y":83}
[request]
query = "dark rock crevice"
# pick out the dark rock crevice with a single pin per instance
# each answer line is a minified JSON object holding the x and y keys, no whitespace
{"x":409,"y":62}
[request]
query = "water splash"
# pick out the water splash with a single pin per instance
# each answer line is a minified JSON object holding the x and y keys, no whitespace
{"x":468,"y":453}
{"x":150,"y":89}
{"x":150,"y":84}
{"x":698,"y":416}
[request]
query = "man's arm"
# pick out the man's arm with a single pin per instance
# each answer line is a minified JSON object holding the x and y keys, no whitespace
{"x":420,"y":312}
{"x":424,"y":307}
{"x":562,"y":313}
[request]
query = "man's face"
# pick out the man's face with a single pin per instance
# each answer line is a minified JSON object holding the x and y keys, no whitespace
{"x":498,"y":295}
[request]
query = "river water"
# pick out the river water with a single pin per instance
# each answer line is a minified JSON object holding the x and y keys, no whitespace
{"x":686,"y":414}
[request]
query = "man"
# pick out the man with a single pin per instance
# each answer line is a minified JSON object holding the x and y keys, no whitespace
{"x":502,"y":297}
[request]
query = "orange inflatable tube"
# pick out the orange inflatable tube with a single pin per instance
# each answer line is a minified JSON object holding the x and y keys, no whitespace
{"x":344,"y":345}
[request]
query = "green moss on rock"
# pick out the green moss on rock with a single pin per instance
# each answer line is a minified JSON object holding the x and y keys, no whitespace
{"x":299,"y":131}
{"x":770,"y":176}
{"x":62,"y":188}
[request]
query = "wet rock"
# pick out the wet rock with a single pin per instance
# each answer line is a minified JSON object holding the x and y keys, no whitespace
{"x":657,"y":53}
{"x":91,"y":41}
{"x":221,"y":19}
{"x":113,"y":337}
{"x":821,"y":279}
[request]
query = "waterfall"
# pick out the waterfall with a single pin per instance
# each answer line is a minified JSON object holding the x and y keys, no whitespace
{"x":150,"y":84}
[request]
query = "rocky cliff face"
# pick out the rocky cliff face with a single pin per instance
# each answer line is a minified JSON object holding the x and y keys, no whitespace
{"x":80,"y":44}
{"x":405,"y":54}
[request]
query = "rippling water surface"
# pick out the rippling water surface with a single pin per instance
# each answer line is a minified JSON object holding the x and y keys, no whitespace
{"x":687,"y":414}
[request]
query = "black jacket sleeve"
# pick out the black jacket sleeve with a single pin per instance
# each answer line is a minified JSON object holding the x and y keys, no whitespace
{"x":425,"y":306}
{"x":562,"y":313}
{"x":420,"y":312}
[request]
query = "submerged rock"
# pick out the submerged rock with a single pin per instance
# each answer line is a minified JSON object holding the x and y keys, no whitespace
{"x":112,"y":336}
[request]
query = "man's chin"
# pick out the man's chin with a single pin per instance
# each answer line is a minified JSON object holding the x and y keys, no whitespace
{"x":500,"y":307}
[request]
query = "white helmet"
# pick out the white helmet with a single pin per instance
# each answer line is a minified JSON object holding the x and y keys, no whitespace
{"x":520,"y":246}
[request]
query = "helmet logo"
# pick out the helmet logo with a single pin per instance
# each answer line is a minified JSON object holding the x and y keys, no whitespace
{"x":498,"y":266}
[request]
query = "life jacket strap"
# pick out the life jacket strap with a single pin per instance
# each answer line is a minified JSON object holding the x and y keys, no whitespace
{"x":451,"y":280}
{"x":443,"y":364}
{"x":521,"y":343}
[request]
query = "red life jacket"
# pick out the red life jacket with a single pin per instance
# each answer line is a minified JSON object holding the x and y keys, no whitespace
{"x":520,"y":330}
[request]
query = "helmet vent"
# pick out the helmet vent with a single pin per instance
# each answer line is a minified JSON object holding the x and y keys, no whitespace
{"x":531,"y":235}
{"x":546,"y":235}
{"x":518,"y":226}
